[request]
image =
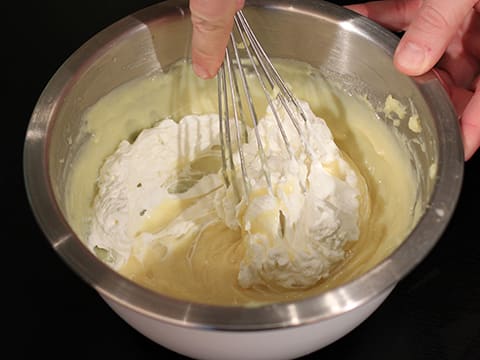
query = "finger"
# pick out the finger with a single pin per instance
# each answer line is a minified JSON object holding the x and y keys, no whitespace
{"x":476,"y":83}
{"x":462,"y":69}
{"x":392,"y":14}
{"x":212,"y":22}
{"x":470,"y":125}
{"x":471,"y":40}
{"x":462,"y":57}
{"x":429,"y":34}
{"x":462,"y":100}
{"x":459,"y":96}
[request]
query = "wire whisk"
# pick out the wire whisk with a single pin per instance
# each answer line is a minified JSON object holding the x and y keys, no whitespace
{"x":234,"y":90}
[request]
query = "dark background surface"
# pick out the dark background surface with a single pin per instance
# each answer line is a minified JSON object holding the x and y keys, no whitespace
{"x":434,"y":313}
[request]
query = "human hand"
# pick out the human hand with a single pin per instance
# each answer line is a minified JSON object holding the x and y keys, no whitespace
{"x":212,"y":22}
{"x":444,"y":34}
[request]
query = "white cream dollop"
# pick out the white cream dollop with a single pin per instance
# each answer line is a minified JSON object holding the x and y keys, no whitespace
{"x":295,"y":231}
{"x":145,"y":186}
{"x":150,"y":194}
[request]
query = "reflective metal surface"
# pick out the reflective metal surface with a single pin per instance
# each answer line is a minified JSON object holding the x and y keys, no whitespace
{"x":342,"y":43}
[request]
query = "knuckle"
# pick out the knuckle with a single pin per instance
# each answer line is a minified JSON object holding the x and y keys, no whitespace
{"x":403,"y":10}
{"x":431,"y":20}
{"x":404,"y":7}
{"x":203,"y":25}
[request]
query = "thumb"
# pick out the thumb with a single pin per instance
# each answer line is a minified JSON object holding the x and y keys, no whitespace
{"x":429,"y":34}
{"x":212,"y":22}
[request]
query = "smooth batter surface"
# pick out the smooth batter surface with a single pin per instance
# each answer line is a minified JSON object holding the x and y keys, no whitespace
{"x":205,"y":270}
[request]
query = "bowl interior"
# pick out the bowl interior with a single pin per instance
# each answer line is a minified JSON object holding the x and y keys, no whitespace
{"x":348,"y":48}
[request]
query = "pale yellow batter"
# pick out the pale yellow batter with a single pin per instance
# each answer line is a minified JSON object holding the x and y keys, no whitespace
{"x":207,"y":272}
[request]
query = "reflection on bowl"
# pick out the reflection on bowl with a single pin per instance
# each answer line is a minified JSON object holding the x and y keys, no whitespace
{"x":349,"y":50}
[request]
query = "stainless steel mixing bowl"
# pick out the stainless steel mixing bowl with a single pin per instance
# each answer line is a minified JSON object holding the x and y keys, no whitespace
{"x":351,"y":48}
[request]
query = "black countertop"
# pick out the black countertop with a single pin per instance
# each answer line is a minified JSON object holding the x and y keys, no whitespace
{"x":434,"y":313}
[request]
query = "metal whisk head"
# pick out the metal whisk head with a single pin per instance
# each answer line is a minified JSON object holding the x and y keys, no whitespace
{"x":234,"y":91}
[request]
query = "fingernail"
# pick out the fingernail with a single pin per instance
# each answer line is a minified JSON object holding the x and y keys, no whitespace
{"x":412,"y":57}
{"x":200,"y":71}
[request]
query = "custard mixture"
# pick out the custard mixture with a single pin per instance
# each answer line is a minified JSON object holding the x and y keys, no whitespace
{"x":148,"y":195}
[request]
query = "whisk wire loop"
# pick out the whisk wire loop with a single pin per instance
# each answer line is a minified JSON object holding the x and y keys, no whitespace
{"x":238,"y":123}
{"x":255,"y":59}
{"x":224,"y":126}
{"x":253,"y":113}
{"x":270,"y":71}
{"x":228,"y":87}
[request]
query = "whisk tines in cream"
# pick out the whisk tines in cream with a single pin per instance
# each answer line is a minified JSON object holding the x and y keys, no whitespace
{"x":234,"y":92}
{"x":288,"y":190}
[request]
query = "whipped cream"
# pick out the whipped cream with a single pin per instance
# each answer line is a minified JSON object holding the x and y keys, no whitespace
{"x":167,"y":186}
{"x":144,"y":187}
{"x":295,"y":231}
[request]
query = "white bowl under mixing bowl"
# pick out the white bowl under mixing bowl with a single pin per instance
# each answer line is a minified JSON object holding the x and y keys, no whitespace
{"x":157,"y":37}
